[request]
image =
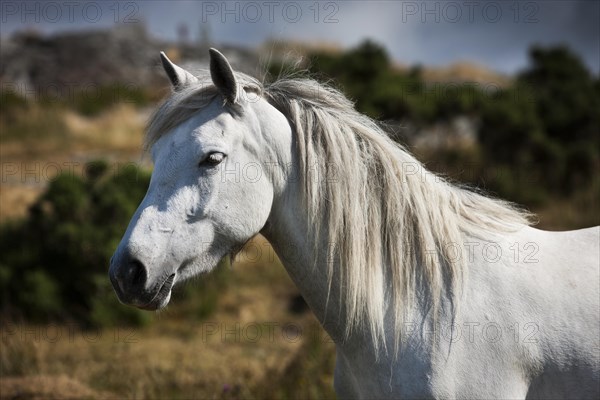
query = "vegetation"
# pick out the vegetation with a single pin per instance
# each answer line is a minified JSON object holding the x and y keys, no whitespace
{"x":538,"y":144}
{"x":40,"y":116}
{"x":53,"y":265}
{"x":59,"y":255}
{"x":93,"y":102}
{"x":540,"y":134}
{"x":548,"y":124}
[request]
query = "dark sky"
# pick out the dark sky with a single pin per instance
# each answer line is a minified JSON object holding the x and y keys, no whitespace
{"x":493,"y":33}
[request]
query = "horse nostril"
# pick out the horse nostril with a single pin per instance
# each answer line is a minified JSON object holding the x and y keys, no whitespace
{"x":137,"y":271}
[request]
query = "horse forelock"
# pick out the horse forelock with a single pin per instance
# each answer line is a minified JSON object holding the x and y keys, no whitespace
{"x":185,"y":102}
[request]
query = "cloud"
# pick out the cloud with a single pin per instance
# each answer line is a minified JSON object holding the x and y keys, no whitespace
{"x":494,"y":33}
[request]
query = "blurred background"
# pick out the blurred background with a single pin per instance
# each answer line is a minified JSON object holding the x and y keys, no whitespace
{"x":499,"y":95}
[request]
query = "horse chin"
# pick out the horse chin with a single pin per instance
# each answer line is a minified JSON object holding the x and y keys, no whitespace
{"x":157,"y":304}
{"x":162,"y":296}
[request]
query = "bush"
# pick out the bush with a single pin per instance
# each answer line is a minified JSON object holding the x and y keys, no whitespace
{"x":40,"y":294}
{"x":92,"y":103}
{"x":201,"y":295}
{"x":10,"y":101}
{"x":107,"y":311}
{"x":53,"y":265}
{"x":31,"y":122}
{"x":541,"y":133}
{"x":546,"y":125}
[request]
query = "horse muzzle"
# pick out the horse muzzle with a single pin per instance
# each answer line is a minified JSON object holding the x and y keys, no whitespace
{"x":130,"y":280}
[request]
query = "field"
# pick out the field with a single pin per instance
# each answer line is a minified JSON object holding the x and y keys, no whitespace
{"x":257,"y":344}
{"x":260,"y":341}
{"x":253,"y":337}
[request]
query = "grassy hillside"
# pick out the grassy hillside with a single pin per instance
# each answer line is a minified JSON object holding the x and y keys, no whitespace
{"x":244,"y":331}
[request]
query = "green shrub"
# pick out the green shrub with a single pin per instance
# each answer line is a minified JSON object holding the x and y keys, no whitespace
{"x":32,"y":122}
{"x":93,"y":102}
{"x":40,"y":294}
{"x":55,"y":263}
{"x":546,"y":125}
{"x":201,"y":294}
{"x":10,"y":101}
{"x":541,"y":132}
{"x":107,"y":311}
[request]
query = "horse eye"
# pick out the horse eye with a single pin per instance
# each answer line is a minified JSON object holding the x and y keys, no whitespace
{"x":213,"y":159}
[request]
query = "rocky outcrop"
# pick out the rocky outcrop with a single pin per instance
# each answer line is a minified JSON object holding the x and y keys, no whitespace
{"x":31,"y":63}
{"x":56,"y":65}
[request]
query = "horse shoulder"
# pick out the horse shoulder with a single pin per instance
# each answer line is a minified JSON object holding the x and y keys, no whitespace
{"x":538,"y":307}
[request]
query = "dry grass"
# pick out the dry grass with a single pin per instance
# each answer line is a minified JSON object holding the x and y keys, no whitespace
{"x":30,"y":162}
{"x":581,"y":210}
{"x":250,"y":348}
{"x":46,"y":387}
{"x":173,"y":357}
{"x":119,"y":130}
{"x":15,"y":200}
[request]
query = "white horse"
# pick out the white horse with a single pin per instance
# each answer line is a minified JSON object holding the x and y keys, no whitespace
{"x":428,"y":290}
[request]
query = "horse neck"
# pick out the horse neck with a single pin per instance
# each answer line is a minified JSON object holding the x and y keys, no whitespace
{"x":304,"y":257}
{"x":302,"y":253}
{"x":287,"y":228}
{"x":305,"y":260}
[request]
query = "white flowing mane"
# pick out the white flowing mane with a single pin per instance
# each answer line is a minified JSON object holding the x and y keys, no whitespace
{"x":382,"y":214}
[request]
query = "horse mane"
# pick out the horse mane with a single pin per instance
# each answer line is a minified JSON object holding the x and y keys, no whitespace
{"x":390,"y":224}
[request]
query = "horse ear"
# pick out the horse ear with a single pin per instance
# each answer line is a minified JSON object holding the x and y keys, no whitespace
{"x":222,"y":76}
{"x":178,"y":76}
